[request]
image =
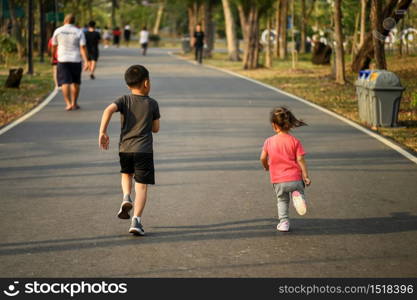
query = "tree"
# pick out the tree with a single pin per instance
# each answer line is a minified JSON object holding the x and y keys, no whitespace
{"x":338,"y":36}
{"x":192,"y":11}
{"x":208,"y":26}
{"x":161,"y":7}
{"x":232,"y":41}
{"x":394,"y":9}
{"x":283,"y":11}
{"x":305,"y":16}
{"x":378,"y":39}
{"x":363,"y":22}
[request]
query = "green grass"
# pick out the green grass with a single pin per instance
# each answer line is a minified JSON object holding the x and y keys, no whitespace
{"x":315,"y":83}
{"x":33,"y":89}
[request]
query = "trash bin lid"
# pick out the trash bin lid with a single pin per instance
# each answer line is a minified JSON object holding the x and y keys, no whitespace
{"x":384,"y":80}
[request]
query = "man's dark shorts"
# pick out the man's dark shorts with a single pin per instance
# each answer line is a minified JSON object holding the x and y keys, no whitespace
{"x":92,"y":55}
{"x":140,"y":164}
{"x":68,"y":73}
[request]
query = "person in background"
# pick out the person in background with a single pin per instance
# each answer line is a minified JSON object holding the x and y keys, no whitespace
{"x":144,"y":40}
{"x":93,"y":39}
{"x":116,"y":36}
{"x":127,"y":34}
{"x":199,"y":44}
{"x":106,"y":37}
{"x":69,"y":41}
{"x":54,"y":61}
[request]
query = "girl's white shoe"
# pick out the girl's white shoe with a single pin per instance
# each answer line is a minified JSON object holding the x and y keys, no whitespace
{"x":283,"y":226}
{"x":299,"y":203}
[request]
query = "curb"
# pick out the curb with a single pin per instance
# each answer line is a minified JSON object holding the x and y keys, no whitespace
{"x":29,"y":114}
{"x":365,"y":130}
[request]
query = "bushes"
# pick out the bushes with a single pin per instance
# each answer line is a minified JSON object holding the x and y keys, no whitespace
{"x":8,"y":47}
{"x":154,"y":39}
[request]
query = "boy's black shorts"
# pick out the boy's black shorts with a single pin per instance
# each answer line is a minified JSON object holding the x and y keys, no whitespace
{"x":140,"y":164}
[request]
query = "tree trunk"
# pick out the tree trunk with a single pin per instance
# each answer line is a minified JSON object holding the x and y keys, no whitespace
{"x":158,"y":20}
{"x":208,"y":26}
{"x":250,"y":28}
{"x":363,"y":23}
{"x":277,"y":27}
{"x":355,"y":36}
{"x":339,"y":51}
{"x":192,"y":21}
{"x":245,"y":31}
{"x":253,"y":39}
{"x":283,"y":29}
{"x":377,"y":38}
{"x":305,"y":16}
{"x":303,"y":27}
{"x":366,"y":52}
{"x":268,"y":52}
{"x":232,"y":41}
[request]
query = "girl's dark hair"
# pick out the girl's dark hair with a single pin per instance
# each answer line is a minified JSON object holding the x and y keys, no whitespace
{"x":284,"y":118}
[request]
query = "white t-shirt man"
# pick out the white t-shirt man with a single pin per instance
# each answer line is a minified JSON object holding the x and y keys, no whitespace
{"x":69,"y":39}
{"x":144,"y":37}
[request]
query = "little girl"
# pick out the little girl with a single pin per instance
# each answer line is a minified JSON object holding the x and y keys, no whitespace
{"x":283,"y":156}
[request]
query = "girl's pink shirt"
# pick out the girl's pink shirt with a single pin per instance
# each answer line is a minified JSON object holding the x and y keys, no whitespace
{"x":283,"y":150}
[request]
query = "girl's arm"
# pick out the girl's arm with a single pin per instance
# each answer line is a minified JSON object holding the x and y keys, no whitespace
{"x":264,"y":160}
{"x":103,"y":138}
{"x":302,"y":163}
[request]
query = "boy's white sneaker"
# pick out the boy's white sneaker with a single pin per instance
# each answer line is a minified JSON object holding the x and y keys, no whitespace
{"x":283,"y":226}
{"x":299,"y":203}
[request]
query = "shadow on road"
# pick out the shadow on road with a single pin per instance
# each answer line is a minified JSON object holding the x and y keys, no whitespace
{"x":243,"y":229}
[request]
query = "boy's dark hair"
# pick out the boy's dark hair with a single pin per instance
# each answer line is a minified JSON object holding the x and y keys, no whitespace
{"x":135,"y":75}
{"x":284,"y":118}
{"x":92,"y":24}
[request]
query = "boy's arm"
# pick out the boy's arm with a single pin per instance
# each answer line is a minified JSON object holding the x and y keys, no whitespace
{"x":302,"y":163}
{"x":155,"y":126}
{"x":264,"y":160}
{"x":103,"y":138}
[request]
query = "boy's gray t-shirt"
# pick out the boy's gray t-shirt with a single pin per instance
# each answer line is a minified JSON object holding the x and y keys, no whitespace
{"x":137,"y":114}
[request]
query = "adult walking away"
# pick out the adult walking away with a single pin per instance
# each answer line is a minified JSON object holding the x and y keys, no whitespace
{"x":92,"y":39}
{"x":70,"y":42}
{"x":144,"y":40}
{"x":127,"y":33}
{"x":116,"y":36}
{"x":106,"y":37}
{"x":199,"y":43}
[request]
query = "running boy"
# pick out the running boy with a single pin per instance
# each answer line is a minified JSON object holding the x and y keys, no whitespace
{"x":140,"y":118}
{"x":283,"y":156}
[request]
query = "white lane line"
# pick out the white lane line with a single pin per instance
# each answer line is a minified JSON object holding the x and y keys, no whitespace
{"x":376,"y":136}
{"x":30,"y":113}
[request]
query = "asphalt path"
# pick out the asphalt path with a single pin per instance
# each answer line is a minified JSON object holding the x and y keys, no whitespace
{"x":212,"y":212}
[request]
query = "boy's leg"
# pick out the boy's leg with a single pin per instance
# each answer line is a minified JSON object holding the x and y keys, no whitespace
{"x":140,"y":199}
{"x":126,"y":183}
